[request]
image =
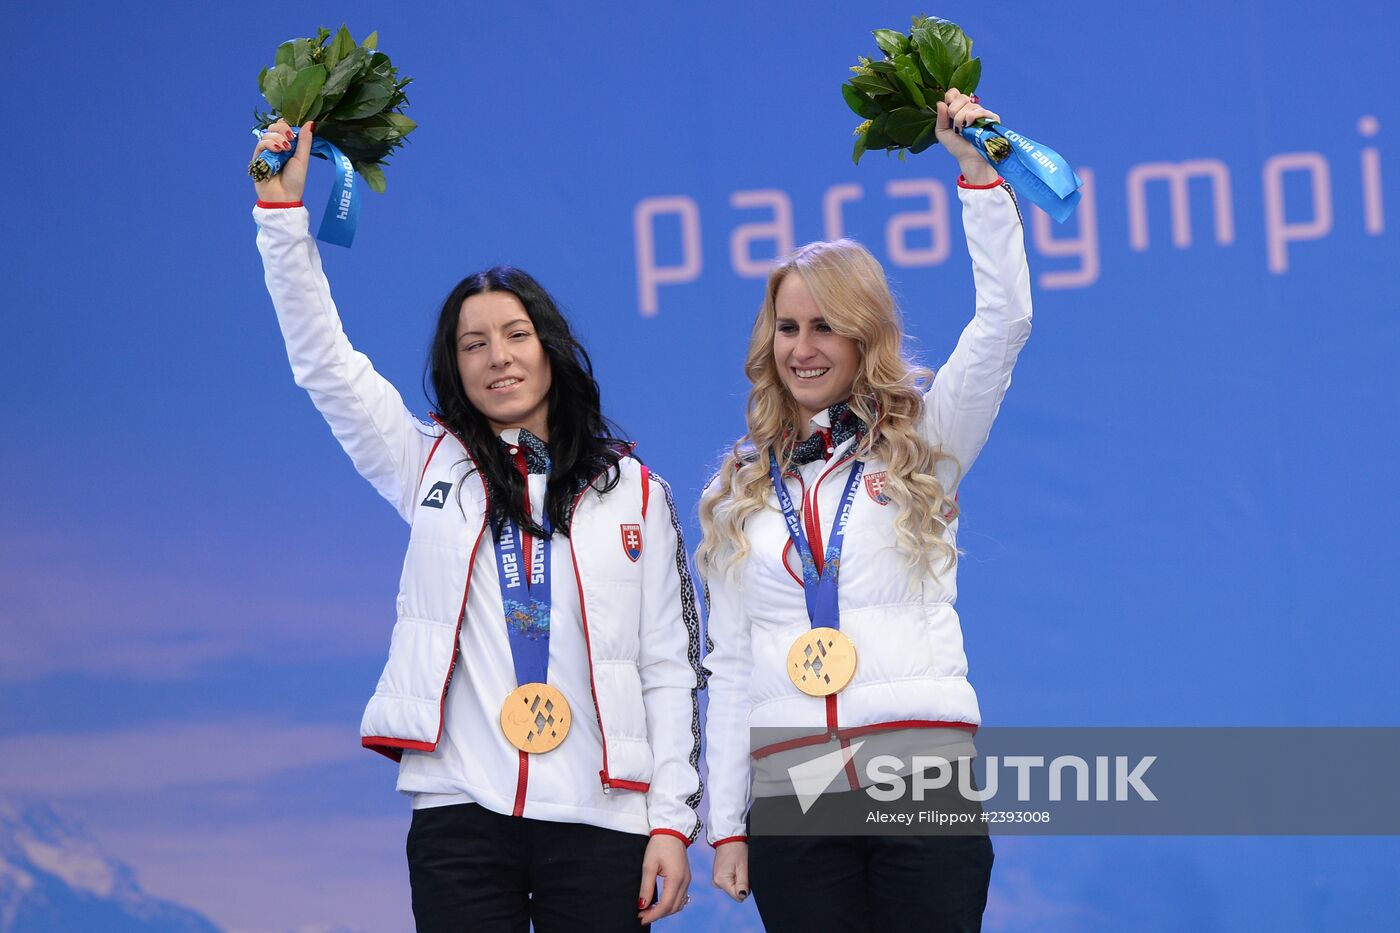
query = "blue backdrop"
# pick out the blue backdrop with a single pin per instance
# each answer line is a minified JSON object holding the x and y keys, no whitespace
{"x":1186,"y":513}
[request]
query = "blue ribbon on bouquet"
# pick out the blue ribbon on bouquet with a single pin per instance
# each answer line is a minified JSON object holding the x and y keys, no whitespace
{"x":1040,"y":173}
{"x":343,"y":209}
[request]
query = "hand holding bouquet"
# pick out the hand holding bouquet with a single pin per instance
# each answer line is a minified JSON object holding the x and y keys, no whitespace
{"x":900,"y":94}
{"x":353,"y":93}
{"x":354,"y":96}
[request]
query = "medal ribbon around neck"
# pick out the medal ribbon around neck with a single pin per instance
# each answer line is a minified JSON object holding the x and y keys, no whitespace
{"x":818,"y":586}
{"x":535,"y":717}
{"x":526,"y":599}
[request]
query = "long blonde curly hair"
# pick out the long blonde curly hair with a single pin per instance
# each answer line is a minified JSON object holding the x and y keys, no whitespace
{"x":849,"y":286}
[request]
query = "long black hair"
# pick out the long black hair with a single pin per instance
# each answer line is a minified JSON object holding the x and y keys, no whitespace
{"x":584,"y":446}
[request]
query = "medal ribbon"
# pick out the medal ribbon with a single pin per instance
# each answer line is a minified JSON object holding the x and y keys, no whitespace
{"x":526,"y":599}
{"x":1040,"y":173}
{"x":342,"y":214}
{"x":819,"y":586}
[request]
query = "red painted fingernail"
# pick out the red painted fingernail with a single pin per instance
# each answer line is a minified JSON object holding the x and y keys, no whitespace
{"x":641,"y":902}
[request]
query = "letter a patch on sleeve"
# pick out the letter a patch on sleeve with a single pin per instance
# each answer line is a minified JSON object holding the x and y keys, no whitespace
{"x":437,"y":496}
{"x":632,"y":541}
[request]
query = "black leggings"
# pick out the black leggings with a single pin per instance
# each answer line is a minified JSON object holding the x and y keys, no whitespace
{"x":474,"y":870}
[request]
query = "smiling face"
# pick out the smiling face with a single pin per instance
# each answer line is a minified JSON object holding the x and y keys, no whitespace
{"x":817,"y":366}
{"x":503,"y":366}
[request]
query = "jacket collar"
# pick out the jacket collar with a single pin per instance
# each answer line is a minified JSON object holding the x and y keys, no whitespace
{"x":831,"y":429}
{"x":535,"y":450}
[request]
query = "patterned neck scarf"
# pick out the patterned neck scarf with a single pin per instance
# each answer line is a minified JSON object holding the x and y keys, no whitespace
{"x":536,"y":451}
{"x":844,"y":424}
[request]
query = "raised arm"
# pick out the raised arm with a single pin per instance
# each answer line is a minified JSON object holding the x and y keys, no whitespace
{"x":967,"y":391}
{"x":387,"y":444}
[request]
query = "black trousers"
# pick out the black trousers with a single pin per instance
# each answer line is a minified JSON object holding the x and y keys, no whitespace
{"x":870,"y":884}
{"x":475,"y":871}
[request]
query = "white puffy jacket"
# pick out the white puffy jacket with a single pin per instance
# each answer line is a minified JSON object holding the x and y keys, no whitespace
{"x":911,"y":670}
{"x":640,"y":622}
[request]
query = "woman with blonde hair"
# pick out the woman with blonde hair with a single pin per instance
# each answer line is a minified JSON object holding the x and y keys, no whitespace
{"x":850,"y":465}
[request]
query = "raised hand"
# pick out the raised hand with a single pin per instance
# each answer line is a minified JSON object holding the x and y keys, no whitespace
{"x":956,"y":111}
{"x":288,"y":184}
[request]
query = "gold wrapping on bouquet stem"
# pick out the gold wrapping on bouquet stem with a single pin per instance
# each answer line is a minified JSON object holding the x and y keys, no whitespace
{"x":260,"y":170}
{"x":998,"y":149}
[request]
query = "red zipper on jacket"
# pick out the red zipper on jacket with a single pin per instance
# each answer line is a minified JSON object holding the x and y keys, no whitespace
{"x":523,"y":773}
{"x":522,"y":776}
{"x":811,"y":515}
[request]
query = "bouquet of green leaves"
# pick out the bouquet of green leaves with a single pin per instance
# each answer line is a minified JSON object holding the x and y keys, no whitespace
{"x":353,"y":92}
{"x":898,"y":95}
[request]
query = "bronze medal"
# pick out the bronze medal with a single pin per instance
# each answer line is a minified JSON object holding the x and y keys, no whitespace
{"x":821,"y":662}
{"x":535,"y":718}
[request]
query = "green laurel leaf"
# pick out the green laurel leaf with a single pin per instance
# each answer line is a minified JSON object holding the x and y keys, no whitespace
{"x":859,"y":103}
{"x":298,"y":98}
{"x":967,"y":76}
{"x":891,"y":41}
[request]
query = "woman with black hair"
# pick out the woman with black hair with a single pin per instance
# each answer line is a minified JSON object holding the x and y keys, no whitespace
{"x":554,"y":777}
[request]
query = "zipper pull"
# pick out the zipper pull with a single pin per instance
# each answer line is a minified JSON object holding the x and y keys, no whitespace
{"x":603,"y":776}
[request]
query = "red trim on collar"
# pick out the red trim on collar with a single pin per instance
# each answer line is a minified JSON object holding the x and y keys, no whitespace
{"x":278,"y":204}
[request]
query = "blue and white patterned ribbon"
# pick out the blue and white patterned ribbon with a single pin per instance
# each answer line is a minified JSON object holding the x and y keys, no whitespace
{"x":1038,"y":172}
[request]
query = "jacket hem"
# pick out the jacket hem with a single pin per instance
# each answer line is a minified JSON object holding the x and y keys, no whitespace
{"x":632,"y":821}
{"x":852,"y":732}
{"x":394,"y":748}
{"x":611,"y":783}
